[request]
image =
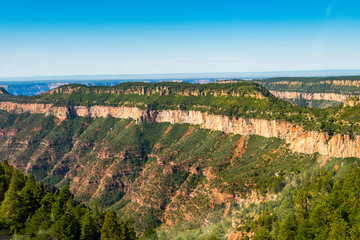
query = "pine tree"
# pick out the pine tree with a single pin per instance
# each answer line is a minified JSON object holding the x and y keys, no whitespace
{"x":65,"y":228}
{"x":40,"y":221}
{"x":29,"y":197}
{"x":89,"y":230}
{"x":58,"y":207}
{"x":97,"y":215}
{"x":111,"y":227}
{"x":9,"y":207}
{"x":305,"y":231}
{"x":150,"y":234}
{"x":128,"y":232}
{"x":288,"y":228}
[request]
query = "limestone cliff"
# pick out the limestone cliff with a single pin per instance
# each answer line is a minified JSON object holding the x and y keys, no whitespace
{"x":311,"y":96}
{"x":161,"y":90}
{"x":355,"y":83}
{"x":300,"y":141}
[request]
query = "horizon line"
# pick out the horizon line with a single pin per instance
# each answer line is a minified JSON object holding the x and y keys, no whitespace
{"x":182,"y":75}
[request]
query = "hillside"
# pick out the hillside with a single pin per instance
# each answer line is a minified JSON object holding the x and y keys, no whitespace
{"x":244,"y":108}
{"x":163,"y":175}
{"x":188,"y":160}
{"x":319,"y":92}
{"x":3,"y":91}
{"x":33,"y":210}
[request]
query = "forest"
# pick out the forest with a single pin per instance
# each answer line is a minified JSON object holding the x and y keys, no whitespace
{"x":322,"y":205}
{"x":40,"y":211}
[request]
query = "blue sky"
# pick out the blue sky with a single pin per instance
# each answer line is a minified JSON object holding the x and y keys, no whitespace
{"x":63,"y":37}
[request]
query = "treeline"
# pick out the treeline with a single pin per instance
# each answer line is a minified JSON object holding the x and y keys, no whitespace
{"x":42,"y":212}
{"x":326,"y":206}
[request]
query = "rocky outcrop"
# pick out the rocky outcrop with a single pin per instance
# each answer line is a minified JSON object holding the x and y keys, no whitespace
{"x":312,"y":96}
{"x":161,"y":90}
{"x":354,"y":83}
{"x":299,"y":140}
{"x":352,"y":101}
{"x":47,"y":109}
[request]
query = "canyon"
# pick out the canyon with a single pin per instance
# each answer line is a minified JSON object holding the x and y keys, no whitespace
{"x":299,"y":140}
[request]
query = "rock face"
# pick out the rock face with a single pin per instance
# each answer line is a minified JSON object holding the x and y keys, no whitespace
{"x":355,"y":83}
{"x":47,"y":109}
{"x":341,"y":146}
{"x":352,"y":101}
{"x":312,"y":96}
{"x":161,"y":90}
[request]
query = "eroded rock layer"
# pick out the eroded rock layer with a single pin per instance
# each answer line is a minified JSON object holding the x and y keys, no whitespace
{"x":341,"y":146}
{"x":311,"y":96}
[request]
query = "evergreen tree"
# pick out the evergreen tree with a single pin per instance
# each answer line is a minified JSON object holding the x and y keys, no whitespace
{"x":262,"y":234}
{"x":113,"y":229}
{"x":150,"y":234}
{"x":29,"y":197}
{"x":127,"y":230}
{"x":89,"y":230}
{"x":58,"y":207}
{"x":9,"y":209}
{"x":288,"y":228}
{"x":6,"y":171}
{"x":305,"y":231}
{"x":97,"y":215}
{"x":67,"y":226}
{"x":40,"y":221}
{"x":302,"y":199}
{"x":339,"y":229}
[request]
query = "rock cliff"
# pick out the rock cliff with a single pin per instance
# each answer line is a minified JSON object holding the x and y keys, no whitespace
{"x":355,"y":83}
{"x":312,"y":96}
{"x":299,"y":140}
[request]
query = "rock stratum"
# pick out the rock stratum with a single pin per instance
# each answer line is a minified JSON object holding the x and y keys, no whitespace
{"x":299,"y":140}
{"x":336,"y":89}
{"x":312,"y":96}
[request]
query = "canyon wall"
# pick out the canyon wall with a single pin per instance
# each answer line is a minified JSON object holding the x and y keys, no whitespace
{"x":355,"y":83}
{"x":312,"y":96}
{"x":341,"y":146}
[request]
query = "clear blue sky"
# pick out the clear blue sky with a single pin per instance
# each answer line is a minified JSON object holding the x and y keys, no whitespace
{"x":63,"y":37}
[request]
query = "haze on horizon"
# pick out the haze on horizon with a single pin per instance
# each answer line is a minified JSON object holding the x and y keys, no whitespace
{"x":149,"y":37}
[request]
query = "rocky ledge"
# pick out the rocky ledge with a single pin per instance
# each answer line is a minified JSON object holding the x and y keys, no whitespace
{"x":311,"y":96}
{"x":299,"y":140}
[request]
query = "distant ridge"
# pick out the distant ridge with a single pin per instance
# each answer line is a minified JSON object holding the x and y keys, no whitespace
{"x":3,"y":91}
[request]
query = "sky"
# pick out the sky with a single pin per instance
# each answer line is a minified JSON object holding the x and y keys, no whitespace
{"x":77,"y":37}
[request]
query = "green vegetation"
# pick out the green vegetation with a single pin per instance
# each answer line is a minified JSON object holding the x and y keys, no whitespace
{"x":315,"y":103}
{"x":349,"y":85}
{"x":321,"y":203}
{"x":171,"y":170}
{"x":312,"y":84}
{"x":157,"y":175}
{"x":241,"y":99}
{"x":31,"y":209}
